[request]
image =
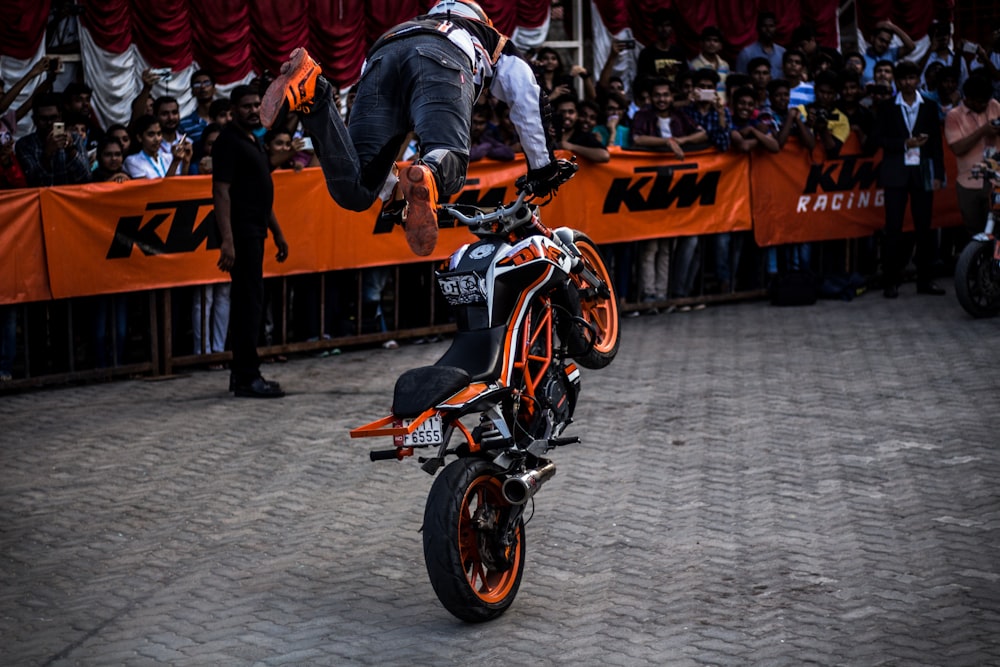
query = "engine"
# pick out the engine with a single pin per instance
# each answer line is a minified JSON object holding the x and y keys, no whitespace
{"x":558,"y":400}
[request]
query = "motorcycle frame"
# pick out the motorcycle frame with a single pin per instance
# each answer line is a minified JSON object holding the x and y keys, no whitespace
{"x":532,"y":367}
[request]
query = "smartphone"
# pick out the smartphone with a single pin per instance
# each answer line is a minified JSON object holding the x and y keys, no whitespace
{"x":58,"y":127}
{"x":705,"y":95}
{"x":970,"y":47}
{"x":307,"y":144}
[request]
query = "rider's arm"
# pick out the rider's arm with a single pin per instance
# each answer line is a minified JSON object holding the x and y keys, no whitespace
{"x":514,"y":83}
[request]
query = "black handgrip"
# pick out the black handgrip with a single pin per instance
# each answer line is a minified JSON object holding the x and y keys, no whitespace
{"x":383,"y":454}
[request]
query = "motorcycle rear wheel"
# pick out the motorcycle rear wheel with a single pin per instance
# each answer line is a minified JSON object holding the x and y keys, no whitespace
{"x":977,"y":280}
{"x":599,"y":311}
{"x":473,"y":574}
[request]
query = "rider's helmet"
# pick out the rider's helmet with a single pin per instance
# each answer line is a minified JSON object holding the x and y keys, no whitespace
{"x":464,"y":8}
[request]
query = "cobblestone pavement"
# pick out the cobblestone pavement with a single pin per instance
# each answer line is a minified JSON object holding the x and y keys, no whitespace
{"x":756,"y":486}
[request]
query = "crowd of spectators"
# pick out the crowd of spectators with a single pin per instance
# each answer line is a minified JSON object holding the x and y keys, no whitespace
{"x":672,"y":102}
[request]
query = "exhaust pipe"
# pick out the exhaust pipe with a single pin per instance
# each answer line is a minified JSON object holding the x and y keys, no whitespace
{"x":517,"y":490}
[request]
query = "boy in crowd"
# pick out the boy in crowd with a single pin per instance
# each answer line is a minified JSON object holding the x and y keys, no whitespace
{"x":709,"y":58}
{"x":860,"y":118}
{"x":829,"y":124}
{"x":660,"y":127}
{"x":707,"y":110}
{"x":787,"y":118}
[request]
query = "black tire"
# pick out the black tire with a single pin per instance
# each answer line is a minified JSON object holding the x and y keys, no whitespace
{"x":602,"y":312}
{"x":977,"y":280}
{"x":475,"y":578}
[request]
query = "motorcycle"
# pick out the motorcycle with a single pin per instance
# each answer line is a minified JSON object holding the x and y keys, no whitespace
{"x":977,"y":272}
{"x":532,"y":305}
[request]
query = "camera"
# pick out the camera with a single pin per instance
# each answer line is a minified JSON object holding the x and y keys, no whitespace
{"x":629,"y":43}
{"x":164,"y":73}
{"x":821,"y":114}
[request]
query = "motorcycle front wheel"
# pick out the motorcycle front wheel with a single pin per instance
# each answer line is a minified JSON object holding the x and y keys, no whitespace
{"x":474,"y":571}
{"x":977,"y":280}
{"x":601,"y":312}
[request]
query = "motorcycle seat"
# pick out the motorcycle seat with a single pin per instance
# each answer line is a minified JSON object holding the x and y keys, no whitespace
{"x":421,"y":388}
{"x":479,"y":352}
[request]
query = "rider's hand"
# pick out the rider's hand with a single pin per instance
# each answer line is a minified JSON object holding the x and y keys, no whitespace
{"x":544,"y":180}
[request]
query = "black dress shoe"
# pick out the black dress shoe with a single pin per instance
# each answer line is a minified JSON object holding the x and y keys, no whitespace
{"x":929,"y":288}
{"x":232,"y":383}
{"x":890,"y":292}
{"x":259,"y":388}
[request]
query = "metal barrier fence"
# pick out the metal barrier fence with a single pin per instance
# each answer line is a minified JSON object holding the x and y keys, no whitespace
{"x":151,"y":333}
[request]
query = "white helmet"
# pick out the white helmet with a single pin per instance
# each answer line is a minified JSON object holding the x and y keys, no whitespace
{"x":464,"y":8}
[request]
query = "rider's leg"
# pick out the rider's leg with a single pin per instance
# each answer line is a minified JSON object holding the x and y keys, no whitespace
{"x":439,"y":89}
{"x":440,"y":101}
{"x":355,"y":162}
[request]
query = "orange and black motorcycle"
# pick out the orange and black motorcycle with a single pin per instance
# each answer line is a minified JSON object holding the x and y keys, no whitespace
{"x":531,"y":304}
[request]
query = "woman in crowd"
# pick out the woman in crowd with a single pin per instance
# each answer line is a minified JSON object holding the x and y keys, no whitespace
{"x":110,"y":161}
{"x":151,"y":161}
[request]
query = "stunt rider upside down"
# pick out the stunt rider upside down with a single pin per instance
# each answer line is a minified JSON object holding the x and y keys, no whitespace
{"x":422,"y":75}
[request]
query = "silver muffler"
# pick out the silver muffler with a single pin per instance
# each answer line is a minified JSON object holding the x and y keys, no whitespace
{"x":517,"y":490}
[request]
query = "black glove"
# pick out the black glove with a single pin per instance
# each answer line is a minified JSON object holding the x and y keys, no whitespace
{"x":546,"y":180}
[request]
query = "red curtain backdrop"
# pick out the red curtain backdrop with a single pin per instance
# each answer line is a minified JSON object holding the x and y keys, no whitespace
{"x":162,"y":32}
{"x":109,"y":23}
{"x":22,"y":27}
{"x":287,"y":27}
{"x":221,"y":35}
{"x":231,"y":38}
{"x":338,"y":38}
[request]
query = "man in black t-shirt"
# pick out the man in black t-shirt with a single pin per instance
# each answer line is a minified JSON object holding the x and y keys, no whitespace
{"x":243,"y":194}
{"x":663,"y":57}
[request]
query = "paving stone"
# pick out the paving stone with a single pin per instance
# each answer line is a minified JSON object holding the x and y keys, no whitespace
{"x":755,"y":485}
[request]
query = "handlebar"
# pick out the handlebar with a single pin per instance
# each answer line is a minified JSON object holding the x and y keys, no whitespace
{"x":480,"y":218}
{"x":517,"y":213}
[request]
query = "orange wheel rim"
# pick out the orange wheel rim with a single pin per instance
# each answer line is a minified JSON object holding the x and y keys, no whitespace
{"x":490,"y":585}
{"x":602,"y":313}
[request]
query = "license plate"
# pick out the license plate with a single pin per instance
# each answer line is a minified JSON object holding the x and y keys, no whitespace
{"x":428,"y":433}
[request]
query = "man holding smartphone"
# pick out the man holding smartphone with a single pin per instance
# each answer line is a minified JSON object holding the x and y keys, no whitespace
{"x":909,"y":132}
{"x":50,"y":155}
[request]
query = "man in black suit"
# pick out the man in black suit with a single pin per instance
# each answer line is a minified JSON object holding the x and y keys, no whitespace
{"x":908,"y":130}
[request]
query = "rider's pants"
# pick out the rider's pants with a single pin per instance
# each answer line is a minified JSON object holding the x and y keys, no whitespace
{"x":421,"y":83}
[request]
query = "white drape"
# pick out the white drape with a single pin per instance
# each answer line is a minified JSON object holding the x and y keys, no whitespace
{"x":531,"y":38}
{"x":13,"y":70}
{"x":627,"y":61}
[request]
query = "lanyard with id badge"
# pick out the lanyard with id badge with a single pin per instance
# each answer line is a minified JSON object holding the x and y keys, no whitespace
{"x":912,"y":156}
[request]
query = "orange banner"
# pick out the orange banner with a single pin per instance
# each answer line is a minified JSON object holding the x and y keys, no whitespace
{"x":798,"y":197}
{"x":23,"y":275}
{"x":641,"y":195}
{"x":141,"y":235}
{"x":107,"y":237}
